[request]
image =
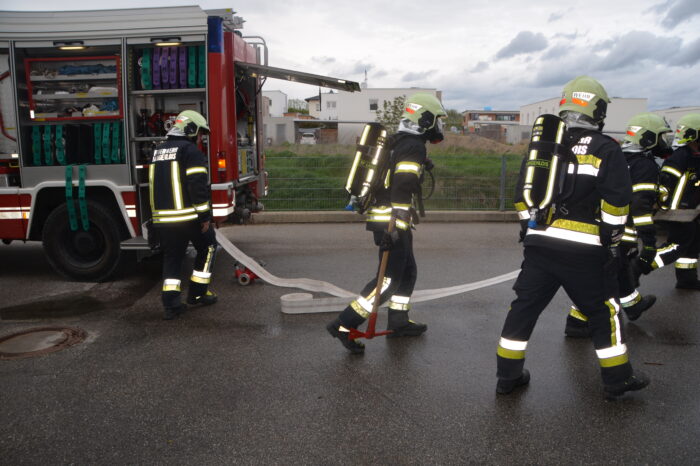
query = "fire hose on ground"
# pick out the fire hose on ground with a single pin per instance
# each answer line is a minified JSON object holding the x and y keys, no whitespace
{"x":305,"y":303}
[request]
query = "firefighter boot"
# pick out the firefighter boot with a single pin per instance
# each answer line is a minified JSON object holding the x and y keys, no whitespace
{"x":634,"y":311}
{"x":576,"y":328}
{"x":505,"y":386}
{"x":687,"y":279}
{"x":207,"y":299}
{"x":401,"y":326}
{"x":174,"y":312}
{"x":634,"y":382}
{"x":342,"y":333}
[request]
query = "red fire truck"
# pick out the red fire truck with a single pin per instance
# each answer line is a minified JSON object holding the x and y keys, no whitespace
{"x":85,"y":96}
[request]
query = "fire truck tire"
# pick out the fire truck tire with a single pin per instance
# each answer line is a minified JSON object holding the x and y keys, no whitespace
{"x":92,"y":255}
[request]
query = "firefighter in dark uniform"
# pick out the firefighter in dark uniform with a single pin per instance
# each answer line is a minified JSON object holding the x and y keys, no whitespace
{"x":180,"y":204}
{"x":577,"y":248}
{"x":679,"y":182}
{"x":644,"y":141}
{"x":420,"y":123}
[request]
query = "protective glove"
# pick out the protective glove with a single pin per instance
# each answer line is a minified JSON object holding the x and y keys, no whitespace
{"x":611,"y":235}
{"x":388,"y":240}
{"x":523,"y":230}
{"x":428,"y":164}
{"x":614,"y":250}
{"x":646,"y":259}
{"x":612,"y":266}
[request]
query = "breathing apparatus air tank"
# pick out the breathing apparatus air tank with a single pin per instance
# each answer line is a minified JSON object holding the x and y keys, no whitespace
{"x":370,"y":166}
{"x":548,"y":161}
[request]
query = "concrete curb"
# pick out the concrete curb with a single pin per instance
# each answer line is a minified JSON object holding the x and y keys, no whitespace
{"x":433,"y":216}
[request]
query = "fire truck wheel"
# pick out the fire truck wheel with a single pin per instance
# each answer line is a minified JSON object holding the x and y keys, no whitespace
{"x":92,"y":255}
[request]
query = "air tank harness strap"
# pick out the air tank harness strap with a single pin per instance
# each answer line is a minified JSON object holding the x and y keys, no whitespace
{"x":82,"y":203}
{"x":419,"y":196}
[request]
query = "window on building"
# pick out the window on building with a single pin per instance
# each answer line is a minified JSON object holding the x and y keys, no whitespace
{"x":330,"y":104}
{"x":373,"y":105}
{"x":474,"y":116}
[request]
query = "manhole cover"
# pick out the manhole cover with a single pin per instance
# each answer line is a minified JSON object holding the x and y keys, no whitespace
{"x":38,"y":341}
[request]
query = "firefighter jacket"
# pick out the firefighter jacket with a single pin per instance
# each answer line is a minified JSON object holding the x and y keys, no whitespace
{"x":179,"y":183}
{"x":407,"y":156}
{"x":679,"y":180}
{"x":597,"y":209}
{"x":645,"y":174}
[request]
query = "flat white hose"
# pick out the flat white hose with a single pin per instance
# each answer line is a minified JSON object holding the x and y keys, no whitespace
{"x":305,"y":303}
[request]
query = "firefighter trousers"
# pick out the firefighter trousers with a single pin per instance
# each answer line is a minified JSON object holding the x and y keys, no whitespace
{"x":174,"y":240}
{"x":627,"y":285}
{"x":629,"y":296}
{"x":682,"y":247}
{"x":590,"y":282}
{"x":399,"y":281}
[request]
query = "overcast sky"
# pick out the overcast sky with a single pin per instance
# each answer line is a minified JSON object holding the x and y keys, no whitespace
{"x":501,"y":54}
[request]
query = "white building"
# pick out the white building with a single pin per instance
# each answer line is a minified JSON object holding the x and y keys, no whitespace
{"x":673,"y":114}
{"x":620,"y":110}
{"x":277,"y":102}
{"x":278,"y":130}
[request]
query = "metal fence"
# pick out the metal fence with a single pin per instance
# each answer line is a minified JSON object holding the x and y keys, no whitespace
{"x":461,"y":182}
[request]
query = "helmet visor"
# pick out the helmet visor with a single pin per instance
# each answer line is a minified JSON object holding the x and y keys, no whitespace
{"x":440,"y":125}
{"x":666,"y":137}
{"x":678,"y":139}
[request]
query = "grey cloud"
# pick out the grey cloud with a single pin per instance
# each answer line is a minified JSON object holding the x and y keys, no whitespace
{"x":674,"y":94}
{"x":555,"y":16}
{"x":379,"y":74}
{"x":417,"y":76}
{"x":605,"y":45}
{"x":570,"y":36}
{"x":360,"y":68}
{"x":323,"y":60}
{"x":679,"y":12}
{"x":688,"y":56}
{"x":524,"y":42}
{"x":555,"y":76}
{"x":512,"y":90}
{"x":555,"y":52}
{"x":481,"y":66}
{"x":674,"y":89}
{"x":659,"y":7}
{"x":637,"y":46}
{"x":351,"y":69}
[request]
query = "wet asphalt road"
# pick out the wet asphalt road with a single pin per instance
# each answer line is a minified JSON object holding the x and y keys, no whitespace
{"x":242,"y":383}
